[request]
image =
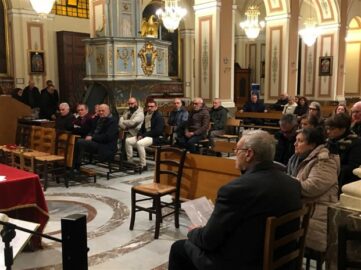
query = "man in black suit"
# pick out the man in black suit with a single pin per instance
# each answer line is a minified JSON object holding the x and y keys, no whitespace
{"x":101,"y":140}
{"x":234,"y":235}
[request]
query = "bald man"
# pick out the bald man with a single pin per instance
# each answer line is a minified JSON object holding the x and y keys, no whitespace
{"x":196,"y":126}
{"x":132,"y":119}
{"x":101,"y":140}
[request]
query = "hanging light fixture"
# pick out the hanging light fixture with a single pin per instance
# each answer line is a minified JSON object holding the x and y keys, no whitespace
{"x":171,"y":15}
{"x":42,"y":7}
{"x":251,"y":26}
{"x":310,"y":32}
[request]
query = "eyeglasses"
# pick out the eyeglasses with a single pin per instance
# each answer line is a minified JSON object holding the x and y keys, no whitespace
{"x":312,"y":109}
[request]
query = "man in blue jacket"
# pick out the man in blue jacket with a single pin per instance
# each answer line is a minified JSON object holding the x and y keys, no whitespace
{"x":234,"y":235}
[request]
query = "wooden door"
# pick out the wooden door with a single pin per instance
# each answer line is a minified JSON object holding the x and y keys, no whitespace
{"x":71,"y":66}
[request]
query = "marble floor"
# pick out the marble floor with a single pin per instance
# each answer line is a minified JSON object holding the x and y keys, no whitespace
{"x":111,"y":244}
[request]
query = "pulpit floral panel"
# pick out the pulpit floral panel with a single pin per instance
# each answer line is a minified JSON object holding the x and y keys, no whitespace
{"x":125,"y":59}
{"x":161,"y":61}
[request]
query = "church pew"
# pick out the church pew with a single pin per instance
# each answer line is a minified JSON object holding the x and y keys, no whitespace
{"x":204,"y":175}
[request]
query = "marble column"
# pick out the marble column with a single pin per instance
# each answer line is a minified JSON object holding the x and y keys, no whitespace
{"x":187,"y":41}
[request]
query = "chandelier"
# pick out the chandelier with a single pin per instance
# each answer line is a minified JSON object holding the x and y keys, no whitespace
{"x":310,"y":32}
{"x":171,"y":15}
{"x":251,"y":26}
{"x":42,"y":7}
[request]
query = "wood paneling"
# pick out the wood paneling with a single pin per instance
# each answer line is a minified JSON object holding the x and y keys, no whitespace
{"x":71,"y":65}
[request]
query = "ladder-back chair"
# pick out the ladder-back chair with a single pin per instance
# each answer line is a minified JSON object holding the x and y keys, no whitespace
{"x":170,"y":163}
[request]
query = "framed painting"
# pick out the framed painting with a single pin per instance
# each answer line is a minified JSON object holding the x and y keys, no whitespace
{"x":36,"y":61}
{"x":325,"y":68}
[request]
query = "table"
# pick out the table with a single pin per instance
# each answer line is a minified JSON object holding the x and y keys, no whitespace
{"x":22,"y":197}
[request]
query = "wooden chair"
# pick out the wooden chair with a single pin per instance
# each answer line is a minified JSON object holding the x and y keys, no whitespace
{"x":316,"y":255}
{"x":274,"y":241}
{"x":233,"y":129}
{"x":345,"y":235}
{"x":165,"y":157}
{"x":56,"y":164}
{"x":23,"y":135}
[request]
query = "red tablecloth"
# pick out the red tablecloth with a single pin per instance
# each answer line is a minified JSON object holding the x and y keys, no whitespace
{"x":22,"y":197}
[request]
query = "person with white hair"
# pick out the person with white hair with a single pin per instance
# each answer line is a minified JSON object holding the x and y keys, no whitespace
{"x":64,"y":120}
{"x":233,"y":237}
{"x":196,"y":127}
{"x":356,"y":118}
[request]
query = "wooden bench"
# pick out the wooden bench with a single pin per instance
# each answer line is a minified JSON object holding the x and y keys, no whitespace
{"x":273,"y":115}
{"x":204,"y":175}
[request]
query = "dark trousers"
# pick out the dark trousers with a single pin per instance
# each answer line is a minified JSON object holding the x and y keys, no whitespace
{"x":178,"y":258}
{"x":82,"y":146}
{"x":189,"y":143}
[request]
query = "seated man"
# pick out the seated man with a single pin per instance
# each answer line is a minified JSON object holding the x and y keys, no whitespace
{"x":286,"y":138}
{"x":149,"y":133}
{"x":234,"y":235}
{"x":83,"y":123}
{"x":64,"y":121}
{"x":101,"y":140}
{"x":178,"y":118}
{"x":132,"y":119}
{"x":218,"y":115}
{"x":196,"y":127}
{"x":281,"y":102}
{"x":254,"y":105}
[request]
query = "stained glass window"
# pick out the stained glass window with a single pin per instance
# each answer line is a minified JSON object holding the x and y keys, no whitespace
{"x":72,"y":8}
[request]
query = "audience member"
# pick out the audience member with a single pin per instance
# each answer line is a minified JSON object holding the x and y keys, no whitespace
{"x":302,"y":107}
{"x":64,"y":120}
{"x":317,"y":170}
{"x":286,"y":138}
{"x":254,"y":105}
{"x":31,"y":95}
{"x":178,"y":118}
{"x":101,"y":140}
{"x":309,"y":121}
{"x":356,"y":118}
{"x":17,"y":94}
{"x":281,"y":102}
{"x":150,"y":133}
{"x":341,"y":108}
{"x":82,"y":124}
{"x":315,"y":109}
{"x":196,"y":126}
{"x":49,"y":99}
{"x":234,"y":235}
{"x":132,"y":119}
{"x":342,"y":141}
{"x":218,"y":117}
{"x":290,"y":107}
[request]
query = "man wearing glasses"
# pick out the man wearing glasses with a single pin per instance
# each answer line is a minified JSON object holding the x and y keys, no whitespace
{"x":149,"y":133}
{"x":233,"y":238}
{"x":356,"y":118}
{"x":132,"y":119}
{"x":196,"y":127}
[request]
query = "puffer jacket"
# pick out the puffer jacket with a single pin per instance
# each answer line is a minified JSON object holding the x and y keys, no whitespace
{"x":318,"y":174}
{"x":198,"y":121}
